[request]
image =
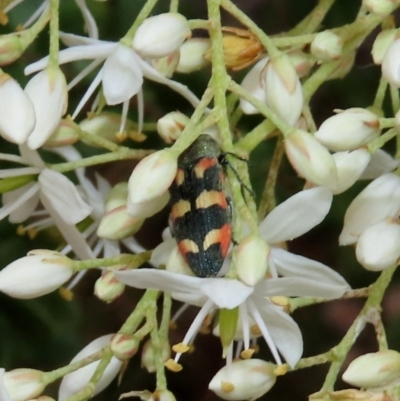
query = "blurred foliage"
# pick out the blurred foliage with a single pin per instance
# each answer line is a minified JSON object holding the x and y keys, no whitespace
{"x":47,"y":332}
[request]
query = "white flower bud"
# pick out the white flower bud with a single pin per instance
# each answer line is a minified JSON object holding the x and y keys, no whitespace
{"x":48,"y":93}
{"x":243,"y":380}
{"x":379,"y":7}
{"x":192,"y":55}
{"x":152,"y":176}
{"x":17,"y":115}
{"x":108,"y":287}
{"x":252,"y":84}
{"x":349,"y":167}
{"x":166,"y":66}
{"x":124,"y":346}
{"x":76,"y":381}
{"x":310,"y":159}
{"x":348,"y":130}
{"x":39,"y":273}
{"x":148,"y":361}
{"x":23,"y":384}
{"x":67,"y":133}
{"x":302,"y":62}
{"x":374,"y":370}
{"x":158,"y":395}
{"x":105,"y":125}
{"x":382,"y":42}
{"x":161,"y":35}
{"x":171,"y":126}
{"x":176,"y":263}
{"x":326,"y":46}
{"x":391,"y":64}
{"x":378,"y":246}
{"x":149,"y":208}
{"x":377,"y":202}
{"x":283,"y":92}
{"x":381,"y":163}
{"x":252,"y":259}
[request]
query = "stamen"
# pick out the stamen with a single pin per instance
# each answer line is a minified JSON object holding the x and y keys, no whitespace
{"x":25,"y":196}
{"x":86,"y":71}
{"x":125,"y":107}
{"x":140,"y":101}
{"x":36,"y":14}
{"x":245,"y":322}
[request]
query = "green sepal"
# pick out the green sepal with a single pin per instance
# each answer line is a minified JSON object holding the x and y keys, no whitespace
{"x":228,"y":319}
{"x":11,"y":183}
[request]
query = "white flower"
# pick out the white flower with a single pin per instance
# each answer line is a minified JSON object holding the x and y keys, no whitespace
{"x":378,"y":201}
{"x":327,"y":46}
{"x":122,"y":73}
{"x":391,"y":64}
{"x":192,"y":55}
{"x":76,"y":381}
{"x":381,"y":163}
{"x":382,"y":42}
{"x":17,"y":115}
{"x":161,"y":35}
{"x":310,"y":159}
{"x":48,"y":92}
{"x":248,"y":379}
{"x":4,"y":396}
{"x":37,"y":274}
{"x":348,"y":130}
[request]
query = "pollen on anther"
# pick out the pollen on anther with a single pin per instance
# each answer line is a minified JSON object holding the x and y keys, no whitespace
{"x":180,"y":348}
{"x":247,"y":353}
{"x":227,"y":387}
{"x":255,"y":330}
{"x":281,"y":370}
{"x":173,"y":366}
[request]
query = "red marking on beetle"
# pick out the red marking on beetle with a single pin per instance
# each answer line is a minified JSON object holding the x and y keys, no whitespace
{"x":180,"y":177}
{"x":221,"y":236}
{"x":187,"y":246}
{"x":204,"y":164}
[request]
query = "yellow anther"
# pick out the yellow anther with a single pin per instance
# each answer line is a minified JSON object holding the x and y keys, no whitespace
{"x":173,"y":366}
{"x":281,"y":370}
{"x":227,"y":387}
{"x":180,"y":348}
{"x":66,"y":294}
{"x":247,"y":353}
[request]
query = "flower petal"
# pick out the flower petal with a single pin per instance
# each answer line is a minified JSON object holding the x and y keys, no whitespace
{"x":161,"y":253}
{"x":289,"y":264}
{"x":4,"y":396}
{"x":90,"y":23}
{"x":70,"y":40}
{"x":300,"y":287}
{"x":64,"y":196}
{"x":122,"y":75}
{"x":283,"y":329}
{"x":225,"y":293}
{"x":381,"y":163}
{"x":297,"y":215}
{"x":159,"y":279}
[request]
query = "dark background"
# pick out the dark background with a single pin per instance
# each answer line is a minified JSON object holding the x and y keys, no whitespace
{"x":47,"y":332}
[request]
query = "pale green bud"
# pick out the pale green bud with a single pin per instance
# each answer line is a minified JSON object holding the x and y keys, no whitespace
{"x":124,"y":346}
{"x":108,"y":287}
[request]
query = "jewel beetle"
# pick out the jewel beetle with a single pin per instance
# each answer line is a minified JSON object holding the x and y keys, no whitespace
{"x":200,"y":212}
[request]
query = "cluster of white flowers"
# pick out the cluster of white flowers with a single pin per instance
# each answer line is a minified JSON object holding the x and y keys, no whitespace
{"x":252,"y":295}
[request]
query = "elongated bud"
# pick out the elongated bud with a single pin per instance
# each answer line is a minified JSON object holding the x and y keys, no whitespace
{"x":391,"y":64}
{"x":374,"y":370}
{"x":382,"y":42}
{"x":302,"y":62}
{"x":171,"y":126}
{"x":48,"y":93}
{"x":378,"y":246}
{"x":67,"y":133}
{"x":108,"y":287}
{"x":76,"y":381}
{"x":252,"y":84}
{"x":11,"y":48}
{"x":252,"y":259}
{"x":124,"y":346}
{"x":17,"y":114}
{"x":149,"y":208}
{"x":192,"y":55}
{"x":283,"y":91}
{"x":166,"y":66}
{"x":161,"y":35}
{"x":152,"y":176}
{"x":326,"y":46}
{"x":23,"y":384}
{"x":349,"y":167}
{"x":243,"y":380}
{"x":310,"y":159}
{"x":348,"y":395}
{"x":381,"y":163}
{"x":39,"y":273}
{"x":148,"y":360}
{"x":348,"y":130}
{"x":378,"y":201}
{"x":379,"y":7}
{"x":105,"y":125}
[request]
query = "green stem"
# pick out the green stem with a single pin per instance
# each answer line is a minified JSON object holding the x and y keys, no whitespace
{"x":173,"y":6}
{"x":380,"y":94}
{"x":372,"y":305}
{"x":381,"y":140}
{"x":268,"y":201}
{"x":54,"y":34}
{"x":133,"y":261}
{"x":122,"y":154}
{"x":144,"y":13}
{"x":198,"y":24}
{"x":394,"y":95}
{"x":263,"y":131}
{"x":314,"y":360}
{"x":99,"y":141}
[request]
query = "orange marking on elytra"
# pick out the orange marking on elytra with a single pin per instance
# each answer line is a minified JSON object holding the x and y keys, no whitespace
{"x":186,"y":246}
{"x":180,"y":208}
{"x":221,"y":236}
{"x":180,"y":177}
{"x":210,"y":198}
{"x":203,"y":165}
